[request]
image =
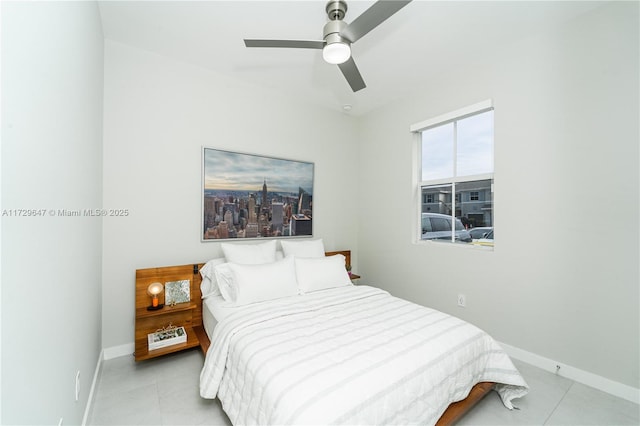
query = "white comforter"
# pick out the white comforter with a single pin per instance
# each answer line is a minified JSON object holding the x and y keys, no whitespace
{"x":351,"y":355}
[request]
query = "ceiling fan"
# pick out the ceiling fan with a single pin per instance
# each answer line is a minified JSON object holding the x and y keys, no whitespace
{"x":338,"y":35}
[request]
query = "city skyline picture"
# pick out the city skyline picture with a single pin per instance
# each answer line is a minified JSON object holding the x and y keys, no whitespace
{"x":255,"y":196}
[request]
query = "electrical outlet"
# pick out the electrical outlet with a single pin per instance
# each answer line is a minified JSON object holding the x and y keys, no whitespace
{"x":462,"y":300}
{"x":77,"y":385}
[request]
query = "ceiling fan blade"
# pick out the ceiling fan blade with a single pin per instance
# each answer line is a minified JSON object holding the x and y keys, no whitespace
{"x":303,"y":44}
{"x":351,"y":73}
{"x":371,"y":18}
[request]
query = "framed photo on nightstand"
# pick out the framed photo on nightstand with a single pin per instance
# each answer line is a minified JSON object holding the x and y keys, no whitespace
{"x":177,"y":292}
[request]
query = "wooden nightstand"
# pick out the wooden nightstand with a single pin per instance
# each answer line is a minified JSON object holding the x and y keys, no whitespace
{"x":187,"y":315}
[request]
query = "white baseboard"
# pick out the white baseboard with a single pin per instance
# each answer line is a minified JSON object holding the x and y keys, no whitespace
{"x":105,"y":354}
{"x":118,"y":351}
{"x":96,"y":375}
{"x":586,"y":378}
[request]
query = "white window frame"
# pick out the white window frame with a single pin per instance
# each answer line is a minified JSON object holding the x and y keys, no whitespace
{"x":418,"y":183}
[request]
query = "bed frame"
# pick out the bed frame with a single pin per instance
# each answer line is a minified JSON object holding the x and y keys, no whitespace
{"x":454,"y":412}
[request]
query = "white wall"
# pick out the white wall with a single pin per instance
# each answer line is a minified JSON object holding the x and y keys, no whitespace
{"x":52,"y":69}
{"x":563,"y":279}
{"x":158,"y":115}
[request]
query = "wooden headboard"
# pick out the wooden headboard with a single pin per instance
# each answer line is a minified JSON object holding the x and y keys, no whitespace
{"x":345,"y":253}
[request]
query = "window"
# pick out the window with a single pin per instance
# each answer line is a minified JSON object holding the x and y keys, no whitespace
{"x":455,"y":174}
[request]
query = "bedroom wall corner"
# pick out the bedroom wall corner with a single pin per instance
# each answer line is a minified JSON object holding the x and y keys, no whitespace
{"x":52,"y":85}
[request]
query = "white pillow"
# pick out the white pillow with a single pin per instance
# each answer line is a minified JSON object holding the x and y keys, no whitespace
{"x":320,"y":273}
{"x":252,"y":254}
{"x":257,"y":283}
{"x":313,"y":248}
{"x":209,"y":285}
{"x":226,"y":283}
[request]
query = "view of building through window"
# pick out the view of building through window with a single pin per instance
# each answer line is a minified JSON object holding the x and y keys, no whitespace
{"x":456,"y":184}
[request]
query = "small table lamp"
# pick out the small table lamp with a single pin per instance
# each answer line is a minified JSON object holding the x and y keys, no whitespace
{"x":154,"y":290}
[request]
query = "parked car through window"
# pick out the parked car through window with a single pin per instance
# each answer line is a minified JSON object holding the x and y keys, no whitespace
{"x":437,"y":226}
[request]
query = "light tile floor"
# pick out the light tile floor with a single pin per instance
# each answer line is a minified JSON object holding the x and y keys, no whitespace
{"x":164,"y":391}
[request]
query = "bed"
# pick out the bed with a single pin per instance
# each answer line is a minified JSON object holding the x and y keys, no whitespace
{"x":347,"y":354}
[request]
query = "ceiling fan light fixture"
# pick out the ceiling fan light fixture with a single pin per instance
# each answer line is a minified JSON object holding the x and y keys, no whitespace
{"x":336,"y":53}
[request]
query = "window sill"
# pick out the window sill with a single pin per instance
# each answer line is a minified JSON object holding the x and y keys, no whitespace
{"x":465,"y":246}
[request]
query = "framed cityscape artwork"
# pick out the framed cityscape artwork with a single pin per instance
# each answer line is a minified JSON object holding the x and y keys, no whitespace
{"x":253,"y":196}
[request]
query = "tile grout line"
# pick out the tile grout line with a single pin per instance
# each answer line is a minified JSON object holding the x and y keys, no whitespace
{"x":559,"y":402}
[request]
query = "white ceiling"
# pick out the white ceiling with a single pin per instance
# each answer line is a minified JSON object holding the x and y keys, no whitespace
{"x":423,"y":39}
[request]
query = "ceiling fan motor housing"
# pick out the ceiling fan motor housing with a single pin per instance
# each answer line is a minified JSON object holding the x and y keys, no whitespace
{"x":331,"y":32}
{"x":336,"y":9}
